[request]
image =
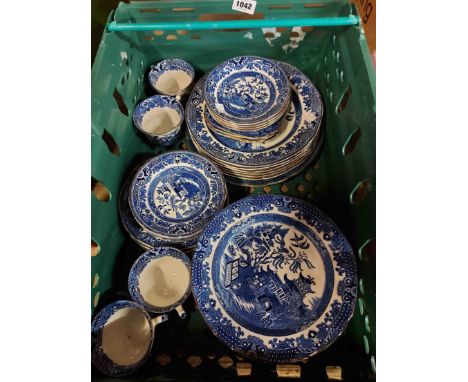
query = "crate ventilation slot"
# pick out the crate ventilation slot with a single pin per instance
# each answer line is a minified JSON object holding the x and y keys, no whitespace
{"x":182,"y":9}
{"x":100,"y":190}
{"x":366,"y":324}
{"x":360,"y":192}
{"x":225,"y":362}
{"x":314,"y":5}
{"x":334,"y":373}
{"x":288,"y":371}
{"x":163,"y":359}
{"x":361,"y":286}
{"x":367,"y":250}
{"x":194,"y":361}
{"x":344,"y":99}
{"x":361,"y":306}
{"x":366,"y":344}
{"x":351,"y":142}
{"x":150,"y":10}
{"x":244,"y":369}
{"x":96,"y":298}
{"x":110,"y":143}
{"x":373,"y":363}
{"x":95,"y":280}
{"x":120,"y":102}
{"x":95,"y":248}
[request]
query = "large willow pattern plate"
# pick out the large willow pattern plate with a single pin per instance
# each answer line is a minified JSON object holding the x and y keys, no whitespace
{"x":274,"y":278}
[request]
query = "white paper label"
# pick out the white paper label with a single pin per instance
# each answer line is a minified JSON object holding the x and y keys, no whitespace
{"x":246,"y":6}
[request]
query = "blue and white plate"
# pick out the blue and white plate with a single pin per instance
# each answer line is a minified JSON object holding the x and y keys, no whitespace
{"x":302,"y":126}
{"x":142,"y":237}
{"x":122,"y":335}
{"x":175,"y":194}
{"x":159,"y":280}
{"x":246,"y":91}
{"x":274,"y":278}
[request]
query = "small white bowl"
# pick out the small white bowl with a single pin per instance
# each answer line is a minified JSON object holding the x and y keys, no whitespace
{"x":160,"y":119}
{"x":171,"y":77}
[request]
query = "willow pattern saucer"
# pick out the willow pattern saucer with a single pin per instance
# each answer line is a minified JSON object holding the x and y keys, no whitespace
{"x":142,"y":237}
{"x":274,"y":278}
{"x":175,"y":194}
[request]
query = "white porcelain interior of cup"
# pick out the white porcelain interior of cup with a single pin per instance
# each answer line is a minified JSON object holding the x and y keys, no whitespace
{"x":172,"y":82}
{"x":160,"y":121}
{"x":164,"y":281}
{"x":126,"y":336}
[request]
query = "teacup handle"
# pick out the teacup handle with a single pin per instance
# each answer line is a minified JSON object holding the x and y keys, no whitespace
{"x":159,"y":319}
{"x":180,"y":310}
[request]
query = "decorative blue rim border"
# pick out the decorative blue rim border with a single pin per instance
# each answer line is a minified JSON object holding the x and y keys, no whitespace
{"x":250,"y":63}
{"x":169,"y":65}
{"x":186,"y":229}
{"x":287,"y":348}
{"x":157,"y":101}
{"x":140,"y":265}
{"x":99,"y":358}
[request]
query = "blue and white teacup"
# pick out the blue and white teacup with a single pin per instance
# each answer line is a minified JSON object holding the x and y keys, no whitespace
{"x":160,"y":119}
{"x":171,"y":77}
{"x":122,"y":335}
{"x":160,"y":280}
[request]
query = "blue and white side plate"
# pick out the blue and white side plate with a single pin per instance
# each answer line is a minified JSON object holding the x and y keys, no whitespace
{"x":247,"y":91}
{"x":274,"y":278}
{"x":110,"y":353}
{"x":142,"y":237}
{"x":175,"y":194}
{"x":176,"y":285}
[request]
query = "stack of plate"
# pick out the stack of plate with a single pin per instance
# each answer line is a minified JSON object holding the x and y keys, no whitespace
{"x":247,"y":95}
{"x":171,"y":198}
{"x":257,"y":162}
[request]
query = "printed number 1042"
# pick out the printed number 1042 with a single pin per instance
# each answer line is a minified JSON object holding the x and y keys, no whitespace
{"x":241,"y":4}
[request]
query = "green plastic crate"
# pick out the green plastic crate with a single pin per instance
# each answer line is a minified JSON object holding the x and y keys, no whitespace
{"x":341,"y":182}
